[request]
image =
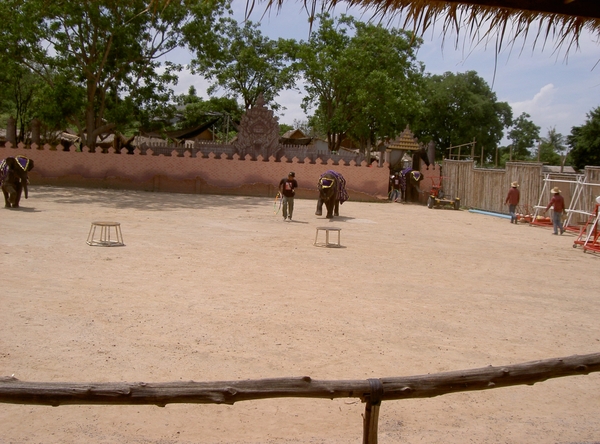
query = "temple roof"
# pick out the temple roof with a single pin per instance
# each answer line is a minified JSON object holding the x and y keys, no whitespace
{"x":406,"y":141}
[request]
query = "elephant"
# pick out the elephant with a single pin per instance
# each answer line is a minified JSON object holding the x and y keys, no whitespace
{"x":14,"y":179}
{"x":332,"y":193}
{"x":409,"y":184}
{"x":411,"y":177}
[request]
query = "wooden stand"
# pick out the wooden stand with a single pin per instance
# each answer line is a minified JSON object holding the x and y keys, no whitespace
{"x":105,"y":239}
{"x":327,"y":243}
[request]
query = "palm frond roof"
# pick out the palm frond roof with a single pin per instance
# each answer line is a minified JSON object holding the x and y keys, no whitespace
{"x":560,"y":20}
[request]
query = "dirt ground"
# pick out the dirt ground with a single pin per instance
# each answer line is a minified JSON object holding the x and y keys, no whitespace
{"x":219,"y":288}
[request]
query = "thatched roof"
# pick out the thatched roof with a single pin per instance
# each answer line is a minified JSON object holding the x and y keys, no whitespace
{"x":503,"y":20}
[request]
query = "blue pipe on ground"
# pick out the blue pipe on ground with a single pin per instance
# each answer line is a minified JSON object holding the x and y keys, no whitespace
{"x":489,"y":213}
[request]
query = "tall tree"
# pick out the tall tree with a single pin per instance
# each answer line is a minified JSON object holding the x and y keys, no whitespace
{"x":584,"y":141}
{"x":104,"y":51}
{"x":18,"y":94}
{"x":524,"y":134}
{"x":461,"y":108}
{"x":552,"y":148}
{"x":385,"y":81}
{"x":326,"y":90}
{"x":363,"y":80}
{"x":243,"y":62}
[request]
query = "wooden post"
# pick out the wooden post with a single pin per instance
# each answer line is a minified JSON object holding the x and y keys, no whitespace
{"x":371,"y":417}
{"x":481,"y":156}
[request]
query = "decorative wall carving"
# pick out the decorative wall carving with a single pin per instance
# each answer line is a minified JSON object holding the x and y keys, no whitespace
{"x":258,"y":132}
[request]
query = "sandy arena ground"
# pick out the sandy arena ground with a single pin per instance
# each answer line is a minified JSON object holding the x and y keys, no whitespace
{"x":217,"y":288}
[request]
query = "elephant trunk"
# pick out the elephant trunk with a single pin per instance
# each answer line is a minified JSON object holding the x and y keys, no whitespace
{"x":25,"y":188}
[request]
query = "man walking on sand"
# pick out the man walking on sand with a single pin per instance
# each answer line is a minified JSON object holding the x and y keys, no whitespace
{"x":287,"y":188}
{"x":512,"y":199}
{"x":558,"y":204}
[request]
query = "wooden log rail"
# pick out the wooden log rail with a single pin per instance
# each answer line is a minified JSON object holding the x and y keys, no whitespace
{"x":370,"y":391}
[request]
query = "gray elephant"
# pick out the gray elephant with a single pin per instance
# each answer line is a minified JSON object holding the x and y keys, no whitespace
{"x":14,"y":179}
{"x":332,"y":193}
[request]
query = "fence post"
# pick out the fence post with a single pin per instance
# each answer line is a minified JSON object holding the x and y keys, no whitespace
{"x":371,"y":416}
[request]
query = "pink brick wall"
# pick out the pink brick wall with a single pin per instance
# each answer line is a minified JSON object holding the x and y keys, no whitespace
{"x":192,"y":175}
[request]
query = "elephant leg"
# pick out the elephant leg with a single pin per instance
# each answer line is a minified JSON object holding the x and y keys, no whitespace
{"x":10,"y":195}
{"x":17,"y":196}
{"x":6,"y":197}
{"x":336,"y":207}
{"x":329,"y":204}
{"x":319,"y":211}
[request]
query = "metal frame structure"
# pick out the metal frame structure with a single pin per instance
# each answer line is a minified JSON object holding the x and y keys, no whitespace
{"x":579,"y":182}
{"x":589,"y":235}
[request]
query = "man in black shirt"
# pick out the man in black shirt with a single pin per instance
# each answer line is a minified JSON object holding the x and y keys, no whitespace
{"x":287,"y":188}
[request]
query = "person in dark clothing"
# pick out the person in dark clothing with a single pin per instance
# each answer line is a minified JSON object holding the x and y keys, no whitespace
{"x":512,"y":199}
{"x":395,"y":183}
{"x":558,"y":205}
{"x":287,"y":189}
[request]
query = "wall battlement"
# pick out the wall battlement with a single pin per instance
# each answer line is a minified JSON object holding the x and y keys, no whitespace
{"x":181,"y":172}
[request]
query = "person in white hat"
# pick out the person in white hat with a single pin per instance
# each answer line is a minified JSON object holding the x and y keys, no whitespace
{"x":558,"y":204}
{"x":512,"y":199}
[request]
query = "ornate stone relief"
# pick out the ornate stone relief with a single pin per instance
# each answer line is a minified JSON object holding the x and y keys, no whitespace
{"x":258,"y":132}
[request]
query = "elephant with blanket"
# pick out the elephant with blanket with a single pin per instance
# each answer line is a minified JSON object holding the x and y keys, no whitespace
{"x":14,"y":179}
{"x":332,"y":193}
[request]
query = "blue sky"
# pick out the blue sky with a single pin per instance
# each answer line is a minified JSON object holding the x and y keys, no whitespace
{"x":556,"y":91}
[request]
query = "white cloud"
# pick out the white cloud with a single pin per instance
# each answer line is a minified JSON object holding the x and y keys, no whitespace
{"x":187,"y":79}
{"x":541,"y":101}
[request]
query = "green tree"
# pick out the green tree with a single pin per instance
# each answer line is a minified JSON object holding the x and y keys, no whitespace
{"x":461,"y":108}
{"x":363,"y":80}
{"x":224,"y":113}
{"x":284,"y":128}
{"x":584,"y":141}
{"x":552,"y":148}
{"x":18,"y":94}
{"x":102,"y":55}
{"x":385,"y":81}
{"x":326,"y":89}
{"x":244,"y":63}
{"x":523,"y":135}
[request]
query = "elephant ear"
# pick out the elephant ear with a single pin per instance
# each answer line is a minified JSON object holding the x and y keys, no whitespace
{"x":25,"y":163}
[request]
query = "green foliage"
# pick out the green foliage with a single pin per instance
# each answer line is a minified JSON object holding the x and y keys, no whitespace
{"x":460,"y":108}
{"x":585,"y":141}
{"x":284,"y":128}
{"x":362,"y":80}
{"x":552,"y":148}
{"x":108,"y":50}
{"x":385,"y":82}
{"x":18,"y":95}
{"x":324,"y":78}
{"x":201,"y":112}
{"x":222,"y":113}
{"x":524,"y":134}
{"x":244,"y":63}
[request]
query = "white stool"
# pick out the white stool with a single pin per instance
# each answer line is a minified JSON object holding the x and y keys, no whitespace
{"x":104,"y":240}
{"x":327,"y":243}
